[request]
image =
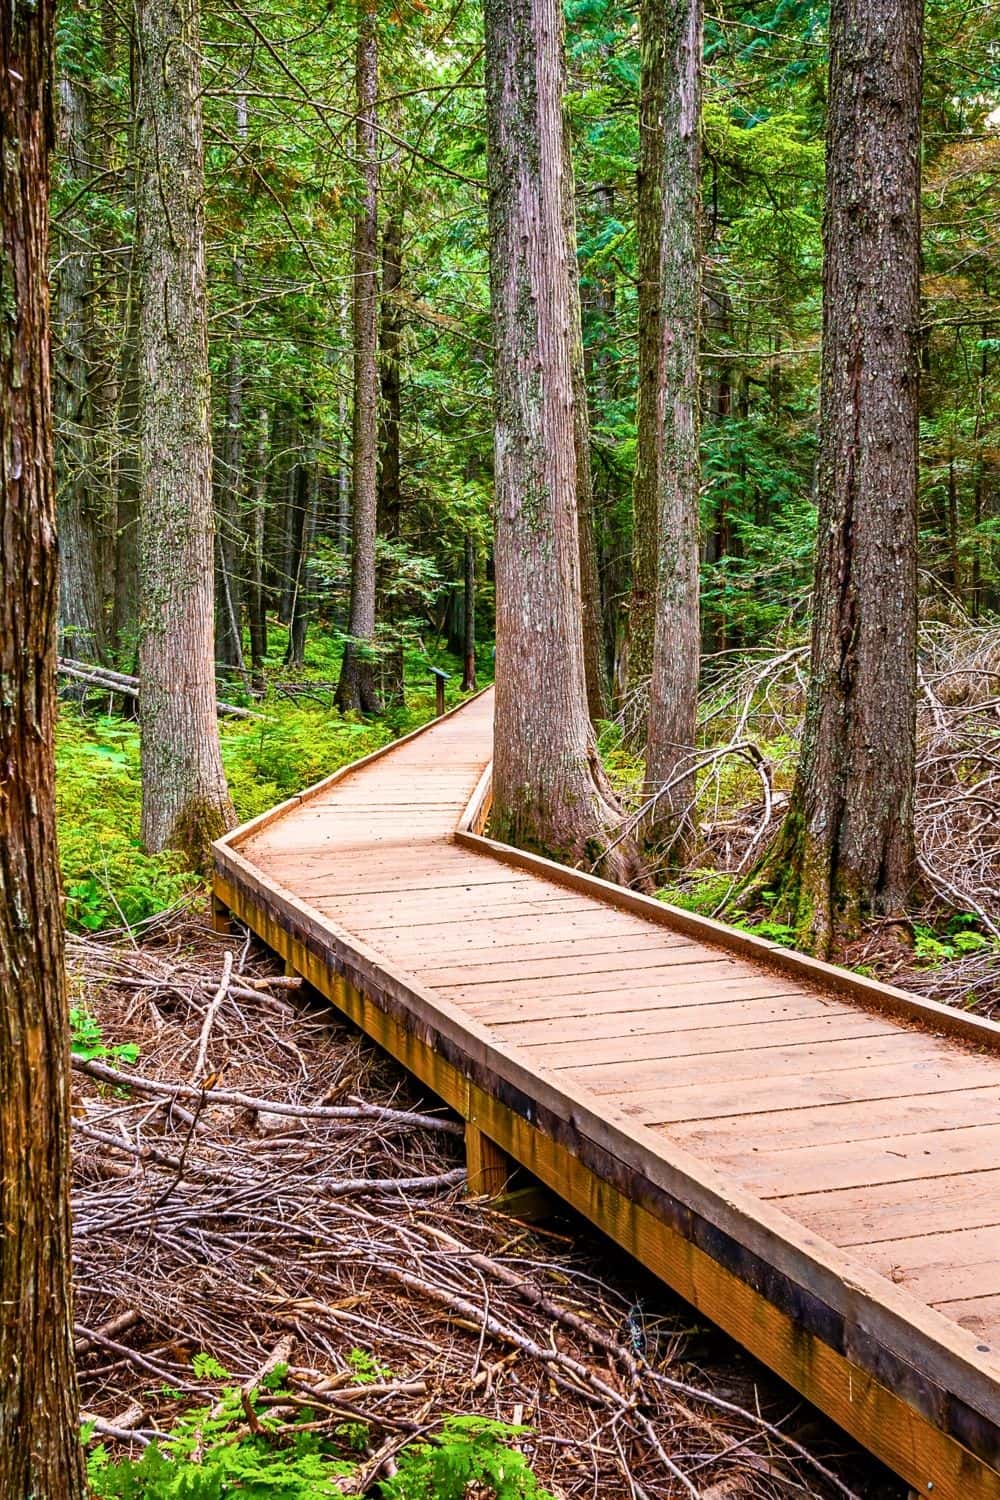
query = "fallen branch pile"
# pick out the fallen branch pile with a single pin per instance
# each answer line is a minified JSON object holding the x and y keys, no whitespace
{"x":258,"y":1188}
{"x":751,"y":714}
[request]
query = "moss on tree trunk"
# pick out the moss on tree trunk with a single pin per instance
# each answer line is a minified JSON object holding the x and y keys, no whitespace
{"x":846,"y":850}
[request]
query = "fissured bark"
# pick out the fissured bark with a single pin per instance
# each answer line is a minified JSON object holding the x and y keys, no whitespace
{"x":668,"y":439}
{"x":549,"y":788}
{"x":357,"y":686}
{"x":847,"y":845}
{"x":40,"y":1451}
{"x":185,"y":802}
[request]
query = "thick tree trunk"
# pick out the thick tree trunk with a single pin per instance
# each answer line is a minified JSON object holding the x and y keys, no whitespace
{"x":185,"y":803}
{"x":609,"y":515}
{"x":846,"y":848}
{"x":469,"y":644}
{"x":356,"y":689}
{"x":40,"y":1451}
{"x":673,"y":458}
{"x":390,"y":487}
{"x":231,"y":538}
{"x":83,"y":519}
{"x":549,"y":788}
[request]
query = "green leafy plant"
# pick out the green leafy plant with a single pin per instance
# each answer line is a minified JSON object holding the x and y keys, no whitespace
{"x":210,"y":1456}
{"x":87,"y":1039}
{"x":957,"y":939}
{"x":703,"y":891}
{"x":471,"y":1451}
{"x":108,"y":879}
{"x":367,"y":1369}
{"x":777,"y":932}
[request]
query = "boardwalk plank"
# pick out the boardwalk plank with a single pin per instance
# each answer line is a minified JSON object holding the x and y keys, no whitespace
{"x":769,"y":1063}
{"x":860,"y":1216}
{"x":850,"y":1122}
{"x":891,"y":1158}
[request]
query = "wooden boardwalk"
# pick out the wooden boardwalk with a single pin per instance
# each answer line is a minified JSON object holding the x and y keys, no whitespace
{"x":809,"y":1157}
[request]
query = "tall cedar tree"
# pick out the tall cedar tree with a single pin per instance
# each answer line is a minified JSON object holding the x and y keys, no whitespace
{"x":549,"y":788}
{"x":670,"y":220}
{"x":390,"y":476}
{"x":231,"y":530}
{"x":847,"y":848}
{"x":357,"y":686}
{"x":185,"y":803}
{"x":40,"y":1452}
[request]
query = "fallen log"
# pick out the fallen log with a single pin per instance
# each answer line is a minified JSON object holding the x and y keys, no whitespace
{"x":120,"y":682}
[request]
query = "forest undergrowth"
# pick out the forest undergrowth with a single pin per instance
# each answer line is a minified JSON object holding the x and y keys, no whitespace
{"x":750,"y":717}
{"x":280,"y":1283}
{"x":295,"y":738}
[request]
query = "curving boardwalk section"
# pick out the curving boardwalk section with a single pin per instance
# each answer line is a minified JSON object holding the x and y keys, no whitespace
{"x":811,"y":1158}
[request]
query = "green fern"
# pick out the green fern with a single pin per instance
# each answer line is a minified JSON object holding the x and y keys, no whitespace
{"x":471,"y":1451}
{"x":209,"y":1456}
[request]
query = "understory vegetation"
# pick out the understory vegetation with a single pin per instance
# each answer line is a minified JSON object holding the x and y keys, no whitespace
{"x":750,"y":721}
{"x":295,"y":738}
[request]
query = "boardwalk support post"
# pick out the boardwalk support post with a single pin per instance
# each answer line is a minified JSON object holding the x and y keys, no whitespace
{"x":489,"y":1168}
{"x":494,"y":1174}
{"x":221,"y":920}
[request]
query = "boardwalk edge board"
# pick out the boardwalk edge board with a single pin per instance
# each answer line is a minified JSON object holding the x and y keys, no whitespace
{"x":901,"y":1004}
{"x":904,"y":1357}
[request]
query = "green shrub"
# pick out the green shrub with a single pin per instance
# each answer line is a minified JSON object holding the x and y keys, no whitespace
{"x":210,"y":1456}
{"x":87,"y":1039}
{"x":107,"y":878}
{"x":289,"y":748}
{"x":471,"y":1451}
{"x":701,"y":891}
{"x":959,"y":937}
